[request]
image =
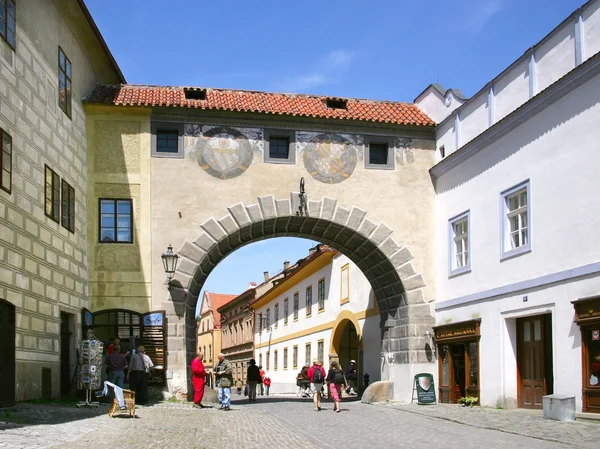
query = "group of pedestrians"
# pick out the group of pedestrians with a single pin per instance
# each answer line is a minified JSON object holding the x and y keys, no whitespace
{"x":224,"y":379}
{"x":135,"y":371}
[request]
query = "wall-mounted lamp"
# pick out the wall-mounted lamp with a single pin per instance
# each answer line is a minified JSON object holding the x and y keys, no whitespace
{"x":170,"y":259}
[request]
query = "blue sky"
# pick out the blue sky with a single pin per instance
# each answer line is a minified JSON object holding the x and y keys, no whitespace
{"x":379,"y":49}
{"x":368,"y":49}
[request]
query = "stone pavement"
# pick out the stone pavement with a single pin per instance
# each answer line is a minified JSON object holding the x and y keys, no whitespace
{"x":290,"y":422}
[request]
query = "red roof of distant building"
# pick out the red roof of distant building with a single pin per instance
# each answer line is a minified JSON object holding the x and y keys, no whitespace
{"x":262,"y":102}
{"x":217,"y":300}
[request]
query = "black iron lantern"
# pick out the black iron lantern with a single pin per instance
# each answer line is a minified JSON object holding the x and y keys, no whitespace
{"x":170,"y":259}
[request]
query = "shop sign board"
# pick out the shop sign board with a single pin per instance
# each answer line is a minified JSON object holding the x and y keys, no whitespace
{"x":425,"y":388}
{"x":153,"y":319}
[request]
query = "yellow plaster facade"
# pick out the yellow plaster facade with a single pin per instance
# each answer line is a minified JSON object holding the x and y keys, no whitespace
{"x":120,"y":274}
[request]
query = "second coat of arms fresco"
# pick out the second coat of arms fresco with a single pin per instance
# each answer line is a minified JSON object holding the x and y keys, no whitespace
{"x":329,"y":158}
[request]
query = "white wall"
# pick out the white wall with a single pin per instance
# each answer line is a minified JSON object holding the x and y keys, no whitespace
{"x":556,"y":151}
{"x":361,"y":299}
{"x":591,"y":25}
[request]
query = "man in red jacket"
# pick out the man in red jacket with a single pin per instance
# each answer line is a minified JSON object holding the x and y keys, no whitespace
{"x":316,"y":375}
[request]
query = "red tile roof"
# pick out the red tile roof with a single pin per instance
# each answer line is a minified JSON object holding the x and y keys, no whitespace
{"x":261,"y":102}
{"x":217,"y":300}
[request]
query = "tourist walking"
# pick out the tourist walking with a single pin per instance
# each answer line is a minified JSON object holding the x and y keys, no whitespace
{"x":116,"y":363}
{"x":335,"y":380}
{"x":238,"y":386}
{"x":316,"y":375}
{"x":223,"y":372}
{"x":267,"y":383}
{"x":198,"y":379}
{"x":262,"y":374}
{"x":352,"y":378}
{"x":252,"y":379}
{"x":139,"y":368}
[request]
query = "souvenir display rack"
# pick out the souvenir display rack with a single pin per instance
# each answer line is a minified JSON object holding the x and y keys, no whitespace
{"x":89,"y":372}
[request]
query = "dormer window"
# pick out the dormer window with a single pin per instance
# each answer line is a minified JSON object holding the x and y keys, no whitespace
{"x":337,"y":103}
{"x":194,"y":94}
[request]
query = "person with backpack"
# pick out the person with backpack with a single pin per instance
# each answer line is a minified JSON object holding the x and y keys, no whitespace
{"x":336,"y":381}
{"x":316,"y":375}
{"x":252,"y":380}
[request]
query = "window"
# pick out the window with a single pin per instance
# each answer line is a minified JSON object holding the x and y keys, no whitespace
{"x":5,"y":161}
{"x":167,"y":139}
{"x":285,"y":358}
{"x":442,"y":152}
{"x":275,"y":360}
{"x":516,"y":223}
{"x":307,"y":355}
{"x":321,"y":295}
{"x":276,"y":315}
{"x":7,"y":22}
{"x":286,"y":310}
{"x":320,"y":346}
{"x":268,"y":359}
{"x":260,"y":360}
{"x":379,"y":152}
{"x":52,"y":194}
{"x":295,"y":357}
{"x":345,"y":284}
{"x":210,"y":352}
{"x":68,"y":206}
{"x":459,"y":244}
{"x":280,"y":147}
{"x":260,"y":323}
{"x":296,"y":305}
{"x":309,"y":300}
{"x":116,"y":221}
{"x":64,"y":82}
{"x":268,"y":318}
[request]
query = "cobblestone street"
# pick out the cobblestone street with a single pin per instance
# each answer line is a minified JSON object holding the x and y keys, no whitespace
{"x":286,"y":421}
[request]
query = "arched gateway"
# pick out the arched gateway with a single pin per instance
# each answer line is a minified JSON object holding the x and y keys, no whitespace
{"x":210,"y":170}
{"x":386,"y":263}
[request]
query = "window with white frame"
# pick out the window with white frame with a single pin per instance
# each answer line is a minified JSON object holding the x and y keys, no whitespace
{"x":516,"y":226}
{"x":460,"y":259}
{"x":276,"y":315}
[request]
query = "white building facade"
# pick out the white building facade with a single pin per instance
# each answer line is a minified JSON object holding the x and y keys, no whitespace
{"x":517,"y":227}
{"x":323,"y":309}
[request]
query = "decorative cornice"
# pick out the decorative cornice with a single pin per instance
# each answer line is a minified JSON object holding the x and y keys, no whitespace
{"x":535,"y":105}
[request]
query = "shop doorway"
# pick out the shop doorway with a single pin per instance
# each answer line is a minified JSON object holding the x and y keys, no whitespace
{"x":67,"y":326}
{"x":458,"y":352}
{"x":7,"y":353}
{"x":534,"y":360}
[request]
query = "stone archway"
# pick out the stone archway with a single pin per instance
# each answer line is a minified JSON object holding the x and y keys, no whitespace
{"x":386,"y":263}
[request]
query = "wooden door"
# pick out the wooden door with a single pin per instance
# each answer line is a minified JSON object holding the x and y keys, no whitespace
{"x":531,"y":364}
{"x":7,"y":353}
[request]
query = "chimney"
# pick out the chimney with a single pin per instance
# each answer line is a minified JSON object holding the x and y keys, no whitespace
{"x":286,"y":265}
{"x":252,"y":285}
{"x":266,"y":274}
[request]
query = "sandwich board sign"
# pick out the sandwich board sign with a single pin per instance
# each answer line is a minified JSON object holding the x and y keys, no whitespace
{"x":425,"y":388}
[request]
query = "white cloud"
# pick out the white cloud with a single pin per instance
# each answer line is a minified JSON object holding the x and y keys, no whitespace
{"x":325,"y":71}
{"x":481,"y":13}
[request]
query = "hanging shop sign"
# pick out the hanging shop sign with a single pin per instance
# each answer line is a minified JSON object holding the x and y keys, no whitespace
{"x":153,"y":319}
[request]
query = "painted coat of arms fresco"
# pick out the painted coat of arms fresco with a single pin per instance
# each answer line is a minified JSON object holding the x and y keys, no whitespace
{"x":224,"y":152}
{"x":330,"y":158}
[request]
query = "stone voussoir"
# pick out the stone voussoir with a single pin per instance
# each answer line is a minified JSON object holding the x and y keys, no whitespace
{"x":283,"y":208}
{"x":214,"y":229}
{"x":228,"y":223}
{"x":240,"y":214}
{"x":314,"y":208}
{"x":329,"y":205}
{"x":267,"y":206}
{"x":192,"y":252}
{"x":254,"y":213}
{"x":341,"y":215}
{"x":356,"y":218}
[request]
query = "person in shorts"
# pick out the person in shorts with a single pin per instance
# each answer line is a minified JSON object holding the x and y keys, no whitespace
{"x":316,"y":375}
